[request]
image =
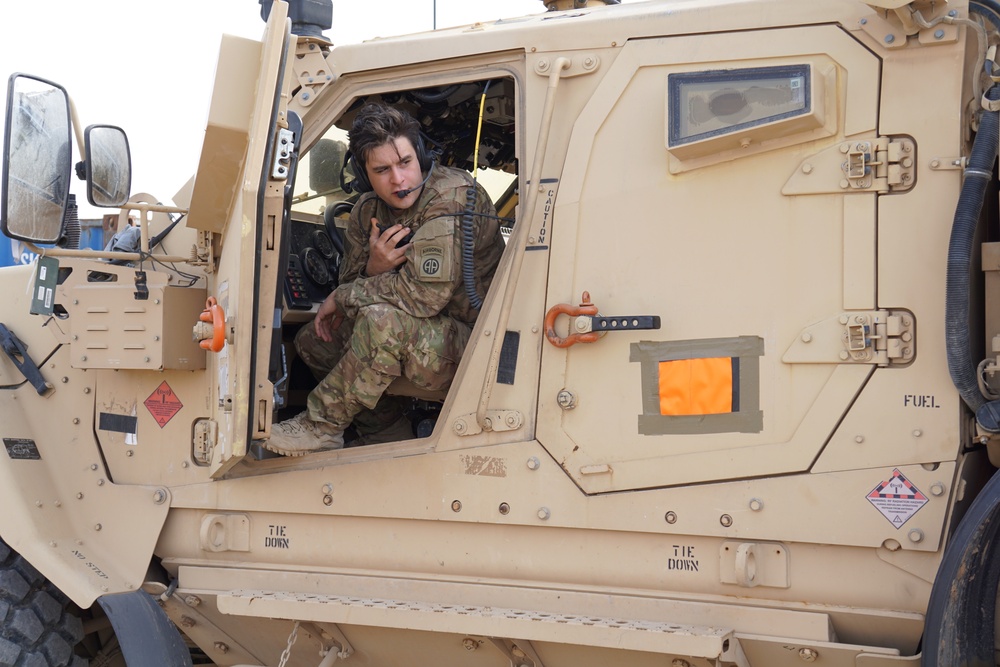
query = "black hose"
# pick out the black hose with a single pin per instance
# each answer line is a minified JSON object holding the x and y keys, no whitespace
{"x":978,"y":175}
{"x":469,"y":248}
{"x":432,"y":98}
{"x":992,"y":5}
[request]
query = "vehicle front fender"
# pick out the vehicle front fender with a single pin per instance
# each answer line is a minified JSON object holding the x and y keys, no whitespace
{"x":62,"y":512}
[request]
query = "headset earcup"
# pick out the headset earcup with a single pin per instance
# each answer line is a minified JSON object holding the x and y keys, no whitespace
{"x":424,"y":158}
{"x":360,"y":183}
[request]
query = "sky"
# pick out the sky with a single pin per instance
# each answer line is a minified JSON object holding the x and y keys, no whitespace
{"x":149,"y":67}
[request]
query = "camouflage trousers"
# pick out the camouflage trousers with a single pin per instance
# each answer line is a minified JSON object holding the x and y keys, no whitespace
{"x":368,"y":353}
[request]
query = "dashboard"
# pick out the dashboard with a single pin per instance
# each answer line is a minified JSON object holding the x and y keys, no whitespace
{"x":313,"y":268}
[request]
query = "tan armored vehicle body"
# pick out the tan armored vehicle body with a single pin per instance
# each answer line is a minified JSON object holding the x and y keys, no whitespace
{"x":730,"y":400}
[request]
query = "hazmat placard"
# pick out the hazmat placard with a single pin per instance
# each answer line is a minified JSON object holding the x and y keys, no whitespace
{"x":163,"y":404}
{"x":897,"y":498}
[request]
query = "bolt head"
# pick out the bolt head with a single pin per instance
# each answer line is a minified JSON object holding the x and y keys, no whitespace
{"x":670,"y":517}
{"x":726,"y":520}
{"x":543,"y":513}
{"x":808,"y":655}
{"x":566,"y":399}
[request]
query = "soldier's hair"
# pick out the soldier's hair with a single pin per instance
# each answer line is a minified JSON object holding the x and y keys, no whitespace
{"x":379,"y":124}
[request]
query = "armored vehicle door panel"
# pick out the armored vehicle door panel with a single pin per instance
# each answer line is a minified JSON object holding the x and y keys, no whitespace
{"x":690,"y":194}
{"x":237,"y":201}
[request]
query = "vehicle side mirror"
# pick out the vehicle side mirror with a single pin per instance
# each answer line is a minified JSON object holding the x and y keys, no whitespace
{"x":37,"y":160}
{"x":109,"y":166}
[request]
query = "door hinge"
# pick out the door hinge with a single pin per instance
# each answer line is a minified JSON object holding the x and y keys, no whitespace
{"x":878,"y":164}
{"x":879,"y":337}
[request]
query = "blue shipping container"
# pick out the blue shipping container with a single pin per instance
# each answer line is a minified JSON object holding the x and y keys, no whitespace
{"x":14,"y":252}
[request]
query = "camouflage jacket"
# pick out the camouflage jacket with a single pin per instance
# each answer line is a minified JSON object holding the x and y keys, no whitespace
{"x":430,"y":281}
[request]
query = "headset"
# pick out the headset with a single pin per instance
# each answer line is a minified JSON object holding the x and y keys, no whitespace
{"x":361,"y":184}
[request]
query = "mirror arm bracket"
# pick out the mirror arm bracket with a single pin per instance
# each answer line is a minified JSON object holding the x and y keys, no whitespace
{"x":101,"y":254}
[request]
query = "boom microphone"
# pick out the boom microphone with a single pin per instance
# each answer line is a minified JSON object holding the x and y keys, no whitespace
{"x":402,"y":194}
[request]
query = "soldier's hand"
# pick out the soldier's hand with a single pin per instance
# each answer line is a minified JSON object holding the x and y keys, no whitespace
{"x":328,"y":319}
{"x":383,"y":254}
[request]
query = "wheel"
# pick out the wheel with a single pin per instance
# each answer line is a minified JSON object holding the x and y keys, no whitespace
{"x":39,"y":626}
{"x":961,"y":612}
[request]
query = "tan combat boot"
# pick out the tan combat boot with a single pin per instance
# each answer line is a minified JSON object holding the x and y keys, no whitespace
{"x":301,"y":435}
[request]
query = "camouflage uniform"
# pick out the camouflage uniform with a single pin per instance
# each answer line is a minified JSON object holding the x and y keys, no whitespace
{"x":414,"y":321}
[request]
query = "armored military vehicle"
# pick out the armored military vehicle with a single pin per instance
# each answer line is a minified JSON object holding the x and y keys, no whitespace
{"x":732,"y":399}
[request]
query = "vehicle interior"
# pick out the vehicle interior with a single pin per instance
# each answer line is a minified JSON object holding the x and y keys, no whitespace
{"x":467,"y":125}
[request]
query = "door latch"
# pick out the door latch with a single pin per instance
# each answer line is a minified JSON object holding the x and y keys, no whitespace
{"x":588,"y":325}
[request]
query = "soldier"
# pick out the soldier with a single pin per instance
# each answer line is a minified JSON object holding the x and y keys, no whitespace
{"x":401,"y":307}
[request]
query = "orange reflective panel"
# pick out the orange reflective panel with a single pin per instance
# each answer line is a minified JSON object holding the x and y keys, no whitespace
{"x":696,"y":386}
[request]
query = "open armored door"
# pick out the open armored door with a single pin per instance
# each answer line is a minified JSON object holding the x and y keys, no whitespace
{"x":743,"y":215}
{"x":236,"y":206}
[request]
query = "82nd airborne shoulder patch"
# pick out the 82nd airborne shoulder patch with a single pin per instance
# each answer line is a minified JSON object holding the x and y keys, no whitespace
{"x":432,"y":260}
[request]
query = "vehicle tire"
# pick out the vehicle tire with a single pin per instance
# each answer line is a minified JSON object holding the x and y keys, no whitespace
{"x":39,"y":626}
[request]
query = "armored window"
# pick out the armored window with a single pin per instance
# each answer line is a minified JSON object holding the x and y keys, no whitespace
{"x":713,"y":103}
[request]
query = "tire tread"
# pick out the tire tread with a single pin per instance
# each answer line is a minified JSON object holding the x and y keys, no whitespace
{"x":39,"y":626}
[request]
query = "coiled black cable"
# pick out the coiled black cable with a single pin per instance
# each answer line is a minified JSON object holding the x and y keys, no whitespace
{"x":469,"y":248}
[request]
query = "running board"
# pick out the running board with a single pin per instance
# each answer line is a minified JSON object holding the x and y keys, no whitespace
{"x":716,"y":644}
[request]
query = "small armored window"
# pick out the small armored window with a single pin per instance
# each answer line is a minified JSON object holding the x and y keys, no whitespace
{"x":708,"y":104}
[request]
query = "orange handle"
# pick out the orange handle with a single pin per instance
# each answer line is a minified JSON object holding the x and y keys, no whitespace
{"x":214,"y":314}
{"x":585,"y":308}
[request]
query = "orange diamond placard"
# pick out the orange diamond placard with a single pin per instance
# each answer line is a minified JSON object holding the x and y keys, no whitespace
{"x":163,"y":404}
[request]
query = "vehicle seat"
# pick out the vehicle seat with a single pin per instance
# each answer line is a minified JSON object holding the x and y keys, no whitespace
{"x":403,"y":386}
